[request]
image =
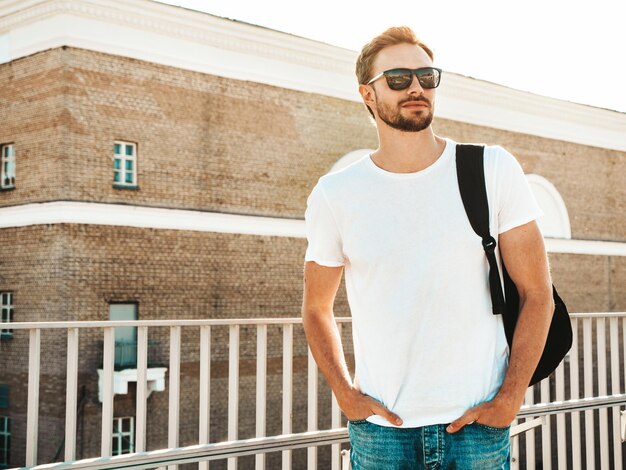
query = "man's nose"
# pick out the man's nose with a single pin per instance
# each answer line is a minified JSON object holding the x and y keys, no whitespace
{"x":415,"y":86}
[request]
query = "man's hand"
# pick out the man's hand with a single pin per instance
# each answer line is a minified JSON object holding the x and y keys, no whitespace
{"x":356,"y":405}
{"x":498,"y":413}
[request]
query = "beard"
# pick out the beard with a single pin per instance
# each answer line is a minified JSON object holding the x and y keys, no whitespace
{"x":392,"y":116}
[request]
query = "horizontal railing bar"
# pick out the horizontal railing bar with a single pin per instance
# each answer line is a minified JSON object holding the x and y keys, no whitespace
{"x":208,"y":322}
{"x":597,"y":315}
{"x":220,"y":322}
{"x":570,"y":406}
{"x":213,"y":451}
{"x":526,"y":426}
{"x":222,"y":450}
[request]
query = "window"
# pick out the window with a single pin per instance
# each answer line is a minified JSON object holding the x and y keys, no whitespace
{"x":6,"y":312}
{"x":123,"y":435}
{"x":5,"y":441}
{"x":125,"y":336}
{"x":555,"y":223}
{"x":350,"y":158}
{"x":4,"y":395}
{"x":7,"y":157}
{"x":124,"y":164}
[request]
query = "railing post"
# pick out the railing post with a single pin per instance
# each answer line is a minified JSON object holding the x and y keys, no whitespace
{"x":32,"y":420}
{"x":107,"y":392}
{"x":561,"y":441}
{"x":261,"y":389}
{"x":287,"y":388}
{"x":312,"y":408}
{"x":205,"y":389}
{"x":530,"y":434}
{"x":514,"y":440}
{"x":588,"y":380}
{"x":575,"y":394}
{"x":233,"y":389}
{"x":142,"y":388}
{"x":335,"y":422}
{"x":174,"y":398}
{"x":546,"y":432}
{"x":345,"y":460}
{"x":602,"y":390}
{"x":615,"y":387}
{"x":71,"y":394}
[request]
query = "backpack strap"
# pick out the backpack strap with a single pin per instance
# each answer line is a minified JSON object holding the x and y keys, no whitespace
{"x":470,"y":170}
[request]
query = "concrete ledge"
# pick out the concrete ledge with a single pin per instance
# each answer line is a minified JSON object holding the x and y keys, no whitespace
{"x":67,"y":212}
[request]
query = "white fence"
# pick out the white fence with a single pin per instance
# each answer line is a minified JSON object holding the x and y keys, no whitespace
{"x":568,"y":439}
{"x":594,"y":367}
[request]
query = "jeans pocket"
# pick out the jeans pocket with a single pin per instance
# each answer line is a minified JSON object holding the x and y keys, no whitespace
{"x":491,"y":428}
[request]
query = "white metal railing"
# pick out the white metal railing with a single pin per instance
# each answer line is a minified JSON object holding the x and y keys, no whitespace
{"x":207,"y":452}
{"x":599,"y":448}
{"x":175,"y":326}
{"x":599,"y":361}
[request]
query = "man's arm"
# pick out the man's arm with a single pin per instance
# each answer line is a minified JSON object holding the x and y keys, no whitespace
{"x":320,"y":288}
{"x":524,"y":254}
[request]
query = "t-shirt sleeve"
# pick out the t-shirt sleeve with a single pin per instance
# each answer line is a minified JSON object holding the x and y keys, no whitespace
{"x":324,"y":240}
{"x":516,"y":203}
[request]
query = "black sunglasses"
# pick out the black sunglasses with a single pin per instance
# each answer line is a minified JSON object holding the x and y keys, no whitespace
{"x":401,"y":79}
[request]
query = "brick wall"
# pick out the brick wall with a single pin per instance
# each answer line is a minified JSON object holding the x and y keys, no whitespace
{"x":218,"y":144}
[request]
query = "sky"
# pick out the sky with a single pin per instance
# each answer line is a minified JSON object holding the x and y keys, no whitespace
{"x":570,"y":50}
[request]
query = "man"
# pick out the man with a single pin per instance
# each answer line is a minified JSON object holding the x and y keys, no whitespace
{"x":435,"y":385}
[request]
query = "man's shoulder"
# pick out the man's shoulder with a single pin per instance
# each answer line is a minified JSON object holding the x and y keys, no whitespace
{"x":344,"y":178}
{"x":498,"y":161}
{"x":490,"y":148}
{"x":495,"y":155}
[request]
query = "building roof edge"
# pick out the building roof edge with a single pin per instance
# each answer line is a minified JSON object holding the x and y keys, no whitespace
{"x":202,"y":42}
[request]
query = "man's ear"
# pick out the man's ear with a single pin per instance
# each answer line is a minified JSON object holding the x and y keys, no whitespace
{"x":369,"y":95}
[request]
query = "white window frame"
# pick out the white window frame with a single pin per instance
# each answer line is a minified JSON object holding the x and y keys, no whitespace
{"x":6,"y":313}
{"x":122,"y":435}
{"x":556,"y":222}
{"x":123,"y":158}
{"x":7,"y":166}
{"x":5,"y":432}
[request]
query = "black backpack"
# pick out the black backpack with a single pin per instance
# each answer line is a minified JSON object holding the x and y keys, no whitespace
{"x":471,"y":177}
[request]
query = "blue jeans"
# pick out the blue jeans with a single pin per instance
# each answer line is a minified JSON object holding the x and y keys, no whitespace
{"x":476,"y":446}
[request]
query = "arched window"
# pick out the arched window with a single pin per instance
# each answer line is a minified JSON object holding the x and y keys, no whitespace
{"x":348,"y":158}
{"x":555,"y":222}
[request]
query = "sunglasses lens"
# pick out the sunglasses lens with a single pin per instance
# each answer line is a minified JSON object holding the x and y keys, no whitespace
{"x":429,"y":78}
{"x":399,"y":79}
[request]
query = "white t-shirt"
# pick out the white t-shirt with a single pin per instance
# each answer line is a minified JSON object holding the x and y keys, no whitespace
{"x":426,"y":342}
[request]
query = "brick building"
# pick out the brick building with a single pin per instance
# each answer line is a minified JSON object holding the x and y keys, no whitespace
{"x":156,"y":163}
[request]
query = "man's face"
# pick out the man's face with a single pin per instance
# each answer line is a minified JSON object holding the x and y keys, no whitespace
{"x":408,"y":110}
